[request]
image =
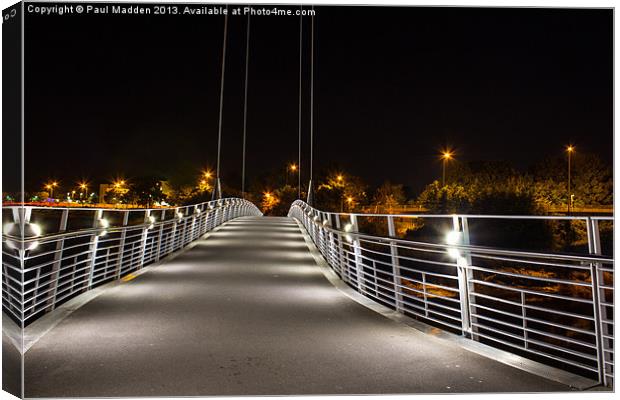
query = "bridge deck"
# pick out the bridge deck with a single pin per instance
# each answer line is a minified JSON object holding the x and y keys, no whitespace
{"x":247,"y":311}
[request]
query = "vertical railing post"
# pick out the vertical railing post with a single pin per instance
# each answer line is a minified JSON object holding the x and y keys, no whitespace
{"x":462,"y":263}
{"x":145,"y":234}
{"x":94,"y":244}
{"x":160,"y":236}
{"x":121,"y":246}
{"x":51,"y":301}
{"x":398,"y":297}
{"x":322,"y":245}
{"x":524,"y":316}
{"x":208,"y":218}
{"x":218,"y":214}
{"x":359,"y":266}
{"x":598,"y":295}
{"x":341,"y":264}
{"x":184,"y":229}
{"x":173,"y":233}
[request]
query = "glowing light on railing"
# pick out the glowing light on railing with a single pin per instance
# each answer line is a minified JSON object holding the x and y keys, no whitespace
{"x":35,"y":230}
{"x":179,"y":215}
{"x":454,"y":238}
{"x":31,"y":230}
{"x":8,"y":227}
{"x":102,"y":224}
{"x":348,"y":227}
{"x":152,"y":222}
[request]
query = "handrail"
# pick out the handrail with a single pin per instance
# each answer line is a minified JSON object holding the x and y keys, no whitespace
{"x":556,"y":308}
{"x":44,"y":269}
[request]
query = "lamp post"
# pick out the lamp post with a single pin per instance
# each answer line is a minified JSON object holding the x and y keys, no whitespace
{"x":569,"y":149}
{"x":349,"y":203}
{"x":83,"y":188}
{"x":295,"y":170}
{"x":340,"y":180}
{"x":50,"y":186}
{"x":291,"y":167}
{"x":445,"y":156}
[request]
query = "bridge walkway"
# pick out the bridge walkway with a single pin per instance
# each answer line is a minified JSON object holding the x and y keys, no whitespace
{"x":247,"y":311}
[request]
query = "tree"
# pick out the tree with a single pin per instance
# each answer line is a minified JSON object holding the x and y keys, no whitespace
{"x":147,"y":190}
{"x":591,"y":181}
{"x":446,"y":199}
{"x":340,"y":192}
{"x":388,"y":196}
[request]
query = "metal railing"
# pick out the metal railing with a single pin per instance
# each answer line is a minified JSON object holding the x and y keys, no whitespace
{"x":553,"y":307}
{"x":52,"y":255}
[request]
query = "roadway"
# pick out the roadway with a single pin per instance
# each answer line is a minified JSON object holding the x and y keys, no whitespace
{"x":248,"y":311}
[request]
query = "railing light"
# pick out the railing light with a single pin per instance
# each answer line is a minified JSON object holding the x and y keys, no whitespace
{"x":31,"y":230}
{"x":453,"y":238}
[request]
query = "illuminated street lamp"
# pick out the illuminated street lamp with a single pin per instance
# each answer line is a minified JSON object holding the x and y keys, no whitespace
{"x":292,"y":168}
{"x":349,"y":203}
{"x":50,"y":186}
{"x":83,"y":188}
{"x":569,"y":149}
{"x":295,"y":169}
{"x":446,"y":155}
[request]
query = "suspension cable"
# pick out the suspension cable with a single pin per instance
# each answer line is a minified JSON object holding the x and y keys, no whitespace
{"x":310,"y":197}
{"x":301,"y":20}
{"x":245,"y":105}
{"x":218,"y":187}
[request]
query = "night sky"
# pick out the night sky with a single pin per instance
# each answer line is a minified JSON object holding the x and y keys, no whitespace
{"x":139,"y":95}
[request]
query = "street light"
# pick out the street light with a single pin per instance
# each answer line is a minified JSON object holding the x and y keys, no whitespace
{"x":291,"y":167}
{"x":569,"y":149}
{"x":349,"y":203}
{"x":50,"y":186}
{"x":295,"y":169}
{"x":445,"y":156}
{"x":83,"y":187}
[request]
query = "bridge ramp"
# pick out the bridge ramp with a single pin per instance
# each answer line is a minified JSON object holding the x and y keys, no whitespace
{"x":247,"y":311}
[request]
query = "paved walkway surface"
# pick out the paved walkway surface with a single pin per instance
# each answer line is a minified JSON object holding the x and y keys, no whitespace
{"x":247,"y":311}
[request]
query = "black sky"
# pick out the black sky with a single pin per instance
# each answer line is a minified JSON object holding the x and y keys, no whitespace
{"x":136,"y":95}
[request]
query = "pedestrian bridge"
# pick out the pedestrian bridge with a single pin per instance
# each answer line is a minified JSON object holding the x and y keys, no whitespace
{"x":216,"y":299}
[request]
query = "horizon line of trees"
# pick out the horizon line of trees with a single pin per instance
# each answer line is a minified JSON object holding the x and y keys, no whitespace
{"x":470,"y":187}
